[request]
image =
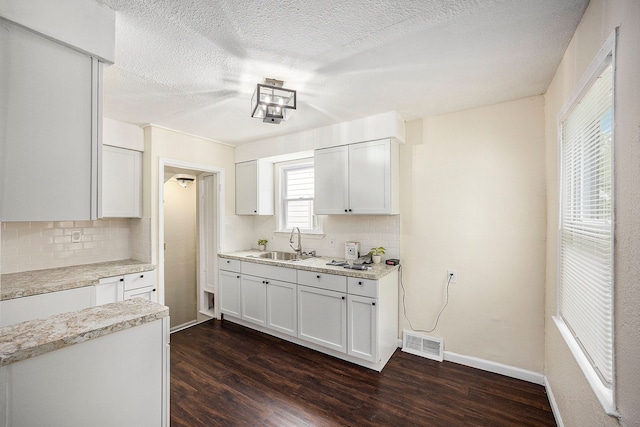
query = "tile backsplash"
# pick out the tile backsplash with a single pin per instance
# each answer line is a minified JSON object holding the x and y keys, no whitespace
{"x":48,"y":244}
{"x":369,"y":230}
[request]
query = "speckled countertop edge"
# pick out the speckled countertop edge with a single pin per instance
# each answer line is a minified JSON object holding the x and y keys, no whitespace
{"x":36,"y":282}
{"x":317,"y":264}
{"x":35,"y":337}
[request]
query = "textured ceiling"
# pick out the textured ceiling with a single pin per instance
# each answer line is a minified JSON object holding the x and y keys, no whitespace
{"x":192,"y":65}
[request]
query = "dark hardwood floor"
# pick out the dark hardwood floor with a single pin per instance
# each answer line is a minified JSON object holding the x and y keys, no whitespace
{"x":223,"y":374}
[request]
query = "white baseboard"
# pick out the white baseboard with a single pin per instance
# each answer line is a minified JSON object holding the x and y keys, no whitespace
{"x":495,"y":367}
{"x":553,"y":403}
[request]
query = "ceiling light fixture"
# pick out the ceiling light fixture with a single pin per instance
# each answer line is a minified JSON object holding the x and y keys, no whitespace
{"x":185,"y":180}
{"x":271,"y":102}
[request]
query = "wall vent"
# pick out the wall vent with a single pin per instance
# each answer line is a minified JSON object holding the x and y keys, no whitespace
{"x":428,"y":347}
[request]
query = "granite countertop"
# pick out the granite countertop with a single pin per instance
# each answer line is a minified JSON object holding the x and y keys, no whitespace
{"x":28,"y":283}
{"x":317,"y":264}
{"x":35,"y":337}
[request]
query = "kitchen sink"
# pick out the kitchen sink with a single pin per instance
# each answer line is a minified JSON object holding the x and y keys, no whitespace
{"x":280,"y":256}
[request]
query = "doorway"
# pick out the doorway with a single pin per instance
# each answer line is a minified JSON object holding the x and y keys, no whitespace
{"x":190,"y":209}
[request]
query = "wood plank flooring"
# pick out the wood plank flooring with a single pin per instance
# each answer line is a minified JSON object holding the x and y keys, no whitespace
{"x":223,"y":374}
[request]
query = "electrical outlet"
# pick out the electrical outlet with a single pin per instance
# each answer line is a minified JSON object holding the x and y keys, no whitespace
{"x":332,"y":241}
{"x":76,"y":236}
{"x":452,"y":276}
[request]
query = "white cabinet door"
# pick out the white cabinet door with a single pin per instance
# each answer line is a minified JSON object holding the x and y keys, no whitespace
{"x":322,"y":317}
{"x":282,"y":307}
{"x":148,"y":293}
{"x":331,"y":181}
{"x":254,"y":188}
{"x":363,"y":328}
{"x":110,"y":289}
{"x":229,"y":288}
{"x":121,"y":182}
{"x":253,"y":295}
{"x":247,"y":188}
{"x":357,"y":179}
{"x":370,"y":177}
{"x":49,"y":140}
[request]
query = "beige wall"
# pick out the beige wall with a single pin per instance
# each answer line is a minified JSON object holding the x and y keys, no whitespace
{"x":577,"y":403}
{"x":473,"y":200}
{"x":163,"y":143}
{"x":180,"y":225}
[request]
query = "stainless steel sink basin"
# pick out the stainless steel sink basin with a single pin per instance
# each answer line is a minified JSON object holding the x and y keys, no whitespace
{"x":279,"y":256}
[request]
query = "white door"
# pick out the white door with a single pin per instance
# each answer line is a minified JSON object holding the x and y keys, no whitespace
{"x":282,"y":307}
{"x":208,"y":245}
{"x":363,"y":328}
{"x":253,"y":294}
{"x":229,"y":282}
{"x":322,"y":317}
{"x":331,"y":181}
{"x":370,"y":177}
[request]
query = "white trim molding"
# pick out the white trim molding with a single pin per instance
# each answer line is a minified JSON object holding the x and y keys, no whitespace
{"x":553,"y":403}
{"x":495,"y":367}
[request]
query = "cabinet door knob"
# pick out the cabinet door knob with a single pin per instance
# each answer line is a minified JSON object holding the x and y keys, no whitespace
{"x":359,"y":283}
{"x":266,"y":282}
{"x":122,"y":280}
{"x":318,"y":276}
{"x":228,"y":262}
{"x":350,"y":210}
{"x":154,"y":289}
{"x":342,"y":297}
{"x":237,"y":277}
{"x":142,"y":276}
{"x":373,"y":303}
{"x":346,"y":210}
{"x":255,"y":211}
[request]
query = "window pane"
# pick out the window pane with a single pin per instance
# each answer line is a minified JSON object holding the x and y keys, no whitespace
{"x":299,"y":214}
{"x":586,"y":221}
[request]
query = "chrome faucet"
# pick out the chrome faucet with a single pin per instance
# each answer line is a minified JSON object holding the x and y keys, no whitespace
{"x":299,"y":248}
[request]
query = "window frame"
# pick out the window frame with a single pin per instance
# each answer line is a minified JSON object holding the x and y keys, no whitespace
{"x":280,"y":169}
{"x":606,"y":395}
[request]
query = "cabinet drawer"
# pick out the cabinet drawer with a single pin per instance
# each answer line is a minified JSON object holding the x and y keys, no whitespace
{"x":230,"y":265}
{"x":363,"y":287}
{"x":269,"y":271}
{"x":139,"y":280}
{"x":331,"y":282}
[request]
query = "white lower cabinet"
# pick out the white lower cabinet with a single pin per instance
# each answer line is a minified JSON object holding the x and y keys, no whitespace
{"x":253,"y":294}
{"x":109,"y":289}
{"x":363,"y":327}
{"x":322,"y":317}
{"x":282,"y":310}
{"x":351,"y":318}
{"x":229,"y":289}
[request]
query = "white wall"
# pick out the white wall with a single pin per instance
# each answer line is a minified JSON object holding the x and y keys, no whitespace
{"x":473,"y":200}
{"x":577,"y":403}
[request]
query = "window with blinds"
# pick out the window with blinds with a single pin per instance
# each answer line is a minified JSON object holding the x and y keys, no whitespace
{"x":296,"y":195}
{"x":585,"y":297}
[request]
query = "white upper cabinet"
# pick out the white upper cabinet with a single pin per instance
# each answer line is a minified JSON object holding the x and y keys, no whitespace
{"x":50,"y":117}
{"x":121,"y":183}
{"x":357,"y":179}
{"x":254,"y":188}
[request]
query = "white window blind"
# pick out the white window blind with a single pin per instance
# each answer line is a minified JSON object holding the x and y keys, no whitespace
{"x":585,"y":300}
{"x":297,"y":196}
